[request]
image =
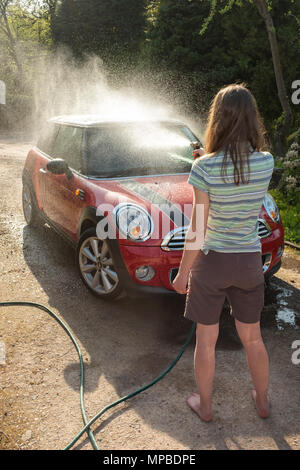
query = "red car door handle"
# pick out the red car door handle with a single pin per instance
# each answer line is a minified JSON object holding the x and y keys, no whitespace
{"x":44,"y":172}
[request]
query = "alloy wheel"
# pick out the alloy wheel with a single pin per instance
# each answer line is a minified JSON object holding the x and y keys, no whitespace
{"x":96,"y":266}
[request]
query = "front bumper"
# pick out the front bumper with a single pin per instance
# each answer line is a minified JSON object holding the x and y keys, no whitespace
{"x":128,"y":258}
{"x":166,"y":265}
{"x":273,"y":270}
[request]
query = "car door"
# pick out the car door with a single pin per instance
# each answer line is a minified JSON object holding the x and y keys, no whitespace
{"x":57,"y":192}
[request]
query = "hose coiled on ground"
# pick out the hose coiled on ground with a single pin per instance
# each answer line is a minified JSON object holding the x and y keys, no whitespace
{"x":87,"y":423}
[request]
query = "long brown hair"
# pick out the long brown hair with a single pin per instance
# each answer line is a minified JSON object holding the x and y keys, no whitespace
{"x":234,"y":125}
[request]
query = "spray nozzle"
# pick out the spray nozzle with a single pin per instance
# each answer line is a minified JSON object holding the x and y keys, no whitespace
{"x":196,"y":146}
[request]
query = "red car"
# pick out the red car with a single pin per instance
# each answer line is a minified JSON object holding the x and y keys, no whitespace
{"x":118,"y":191}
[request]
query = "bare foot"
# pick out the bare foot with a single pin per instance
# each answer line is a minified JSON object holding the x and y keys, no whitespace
{"x":194,"y":403}
{"x":263,"y":409}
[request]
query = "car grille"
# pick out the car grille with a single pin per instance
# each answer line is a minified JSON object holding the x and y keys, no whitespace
{"x":174,"y":240}
{"x":264,"y":229}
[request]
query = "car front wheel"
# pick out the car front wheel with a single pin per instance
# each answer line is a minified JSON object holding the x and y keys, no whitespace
{"x":96,"y":266}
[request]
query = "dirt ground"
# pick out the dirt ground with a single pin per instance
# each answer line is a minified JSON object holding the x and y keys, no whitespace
{"x":126,"y":344}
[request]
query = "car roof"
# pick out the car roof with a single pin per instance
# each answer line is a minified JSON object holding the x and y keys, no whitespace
{"x":86,"y":120}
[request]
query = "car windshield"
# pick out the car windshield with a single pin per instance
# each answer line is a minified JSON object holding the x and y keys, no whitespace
{"x":139,"y":149}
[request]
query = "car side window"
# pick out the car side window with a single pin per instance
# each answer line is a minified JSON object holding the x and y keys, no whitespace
{"x":47,"y":138}
{"x":68,"y":145}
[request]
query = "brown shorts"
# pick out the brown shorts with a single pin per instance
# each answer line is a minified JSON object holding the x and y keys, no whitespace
{"x":215,"y":276}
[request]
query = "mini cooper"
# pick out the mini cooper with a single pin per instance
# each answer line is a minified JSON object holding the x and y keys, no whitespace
{"x":131,"y":175}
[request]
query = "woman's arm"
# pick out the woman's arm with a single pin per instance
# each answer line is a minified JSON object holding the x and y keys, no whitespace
{"x":194,"y":239}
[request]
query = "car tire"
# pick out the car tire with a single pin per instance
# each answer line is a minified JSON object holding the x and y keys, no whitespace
{"x":30,"y":207}
{"x":96,"y":268}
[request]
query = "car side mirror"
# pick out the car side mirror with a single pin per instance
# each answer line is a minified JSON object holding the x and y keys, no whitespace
{"x":58,"y":166}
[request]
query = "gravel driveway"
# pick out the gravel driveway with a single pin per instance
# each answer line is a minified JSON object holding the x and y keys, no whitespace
{"x":125,"y":344}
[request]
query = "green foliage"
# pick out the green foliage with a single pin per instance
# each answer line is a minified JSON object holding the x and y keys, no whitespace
{"x":290,"y":181}
{"x":233,"y":46}
{"x":113,"y":29}
{"x":198,"y":64}
{"x":21,"y":39}
{"x":160,"y":40}
{"x":212,"y":13}
{"x":287,"y":194}
{"x":290,"y":215}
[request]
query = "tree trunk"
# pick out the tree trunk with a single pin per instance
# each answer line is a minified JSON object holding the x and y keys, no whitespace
{"x":282,"y":94}
{"x":13,"y":49}
{"x":52,"y":4}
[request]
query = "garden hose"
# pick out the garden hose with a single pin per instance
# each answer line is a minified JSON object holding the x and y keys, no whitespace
{"x":87,"y":423}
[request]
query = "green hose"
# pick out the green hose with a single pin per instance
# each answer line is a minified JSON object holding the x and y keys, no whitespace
{"x":87,"y":423}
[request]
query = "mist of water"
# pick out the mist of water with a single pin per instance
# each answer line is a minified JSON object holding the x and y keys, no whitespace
{"x":64,"y":86}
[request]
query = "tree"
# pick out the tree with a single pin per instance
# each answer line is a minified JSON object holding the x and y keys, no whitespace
{"x":193,"y":67}
{"x":109,"y":28}
{"x":19,"y":23}
{"x":44,"y":9}
{"x":263,"y":7}
{"x":51,"y":7}
{"x":233,"y":46}
{"x":22,"y":31}
{"x":281,"y":88}
{"x":6,"y":28}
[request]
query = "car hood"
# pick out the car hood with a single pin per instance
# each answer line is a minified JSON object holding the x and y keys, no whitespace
{"x":153,"y":192}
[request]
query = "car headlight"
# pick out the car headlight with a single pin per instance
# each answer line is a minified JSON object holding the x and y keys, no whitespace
{"x":133,"y":221}
{"x":271,"y":208}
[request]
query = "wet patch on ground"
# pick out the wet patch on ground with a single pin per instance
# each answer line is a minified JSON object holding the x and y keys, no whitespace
{"x":282,"y":306}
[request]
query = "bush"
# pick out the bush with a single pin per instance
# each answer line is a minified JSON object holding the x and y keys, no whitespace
{"x":289,"y":184}
{"x":290,"y":215}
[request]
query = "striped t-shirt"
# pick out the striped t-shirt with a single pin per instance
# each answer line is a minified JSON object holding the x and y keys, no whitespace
{"x":232,"y":224}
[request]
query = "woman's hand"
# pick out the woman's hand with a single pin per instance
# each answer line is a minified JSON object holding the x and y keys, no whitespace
{"x":180,"y":282}
{"x":199,"y":152}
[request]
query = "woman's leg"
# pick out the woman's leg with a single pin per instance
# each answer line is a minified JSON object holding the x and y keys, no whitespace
{"x":258,"y":363}
{"x":204,"y":364}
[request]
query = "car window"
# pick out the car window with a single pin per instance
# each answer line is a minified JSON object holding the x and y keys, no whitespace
{"x":47,"y":138}
{"x":68,"y":145}
{"x":139,"y":149}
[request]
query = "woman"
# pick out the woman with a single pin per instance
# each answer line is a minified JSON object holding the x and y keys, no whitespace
{"x":229,"y":182}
